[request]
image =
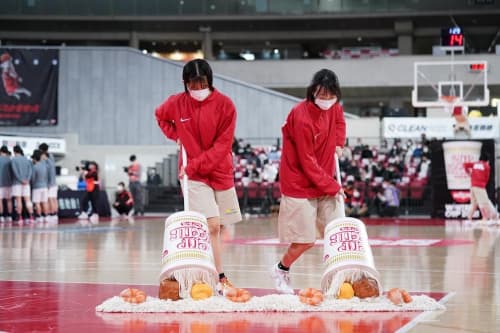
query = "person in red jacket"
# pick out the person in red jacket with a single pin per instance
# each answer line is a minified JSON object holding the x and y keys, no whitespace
{"x":313,"y":132}
{"x":203,"y":120}
{"x":479,"y":175}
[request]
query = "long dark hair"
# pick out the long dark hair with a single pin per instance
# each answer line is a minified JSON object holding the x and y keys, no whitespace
{"x":484,"y":156}
{"x":195,"y":70}
{"x":327,"y":80}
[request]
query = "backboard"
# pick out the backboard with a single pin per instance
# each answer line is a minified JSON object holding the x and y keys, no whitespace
{"x":450,"y":83}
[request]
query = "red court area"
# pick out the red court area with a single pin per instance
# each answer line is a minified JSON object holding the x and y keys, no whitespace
{"x":70,"y":307}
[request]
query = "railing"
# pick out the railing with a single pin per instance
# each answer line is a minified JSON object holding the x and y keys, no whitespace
{"x":264,"y":198}
{"x":118,"y":8}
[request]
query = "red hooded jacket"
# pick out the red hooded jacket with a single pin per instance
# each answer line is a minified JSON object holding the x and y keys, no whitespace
{"x":206,"y":130}
{"x":479,"y":173}
{"x":310,"y":136}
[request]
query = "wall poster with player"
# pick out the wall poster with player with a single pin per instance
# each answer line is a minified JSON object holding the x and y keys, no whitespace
{"x":28,"y":93}
{"x":451,"y":183}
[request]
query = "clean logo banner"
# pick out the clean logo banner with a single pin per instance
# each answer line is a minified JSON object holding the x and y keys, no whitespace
{"x":440,"y":128}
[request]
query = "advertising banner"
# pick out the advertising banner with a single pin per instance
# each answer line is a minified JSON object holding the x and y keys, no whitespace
{"x":28,"y":93}
{"x":439,"y":128}
{"x":28,"y":144}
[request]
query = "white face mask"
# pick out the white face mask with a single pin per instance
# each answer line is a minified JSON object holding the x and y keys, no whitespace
{"x":325,"y":104}
{"x":200,"y":95}
{"x":119,"y":188}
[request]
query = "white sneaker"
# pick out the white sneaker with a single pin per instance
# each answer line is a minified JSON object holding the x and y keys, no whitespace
{"x":491,"y":222}
{"x":83,"y":216}
{"x":2,"y":219}
{"x":9,"y":219}
{"x":281,"y":280}
{"x":94,"y":218}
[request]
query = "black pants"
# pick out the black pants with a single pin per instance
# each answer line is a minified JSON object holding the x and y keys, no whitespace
{"x":93,"y":198}
{"x":123,"y":209}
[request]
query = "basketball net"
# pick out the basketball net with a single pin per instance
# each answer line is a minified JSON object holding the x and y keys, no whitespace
{"x":450,"y":103}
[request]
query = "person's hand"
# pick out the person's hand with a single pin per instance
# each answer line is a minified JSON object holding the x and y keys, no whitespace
{"x":338,"y":151}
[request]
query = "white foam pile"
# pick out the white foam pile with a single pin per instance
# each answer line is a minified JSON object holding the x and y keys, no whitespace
{"x":271,"y":303}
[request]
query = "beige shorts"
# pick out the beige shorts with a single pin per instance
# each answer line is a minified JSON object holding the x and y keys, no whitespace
{"x":40,"y":195}
{"x":53,"y":191}
{"x":300,"y":219}
{"x":211,"y":203}
{"x":479,"y":196}
{"x":5,"y":192}
{"x":20,"y":190}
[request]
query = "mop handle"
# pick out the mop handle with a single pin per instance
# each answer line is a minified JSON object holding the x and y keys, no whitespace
{"x":341,"y":198}
{"x":185,"y":179}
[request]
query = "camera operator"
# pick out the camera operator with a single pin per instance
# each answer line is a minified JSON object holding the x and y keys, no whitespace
{"x":91,"y":176}
{"x":135,"y":186}
{"x":123,"y":200}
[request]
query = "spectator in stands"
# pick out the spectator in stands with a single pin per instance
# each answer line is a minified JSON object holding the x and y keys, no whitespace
{"x":358,"y":207}
{"x":248,"y":152}
{"x":40,"y":187}
{"x":377,"y":170}
{"x":123,"y":200}
{"x":480,"y":173}
{"x":391,"y":196}
{"x":91,"y":176}
{"x":384,"y":147}
{"x":423,"y":168}
{"x":353,"y":169}
{"x":418,"y":151}
{"x":22,"y":170}
{"x":252,"y":173}
{"x":269,"y":172}
{"x":204,"y":120}
{"x":274,"y":154}
{"x":154,"y":178}
{"x":396,"y":149}
{"x":358,"y":148}
{"x":134,"y":171}
{"x":50,"y":163}
{"x":366,"y":152}
{"x":346,"y":153}
{"x":386,"y":199}
{"x":5,"y":185}
{"x":348,"y":192}
{"x":392,"y":173}
{"x":313,"y":130}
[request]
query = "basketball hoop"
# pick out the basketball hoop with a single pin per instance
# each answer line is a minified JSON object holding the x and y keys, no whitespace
{"x":449,"y":99}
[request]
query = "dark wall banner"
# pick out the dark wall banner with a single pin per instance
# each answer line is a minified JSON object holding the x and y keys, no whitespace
{"x":28,"y":93}
{"x":451,"y":184}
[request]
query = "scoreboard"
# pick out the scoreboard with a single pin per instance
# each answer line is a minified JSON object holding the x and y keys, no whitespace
{"x":452,"y":37}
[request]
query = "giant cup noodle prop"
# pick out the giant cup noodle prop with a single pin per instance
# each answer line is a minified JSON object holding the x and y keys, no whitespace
{"x":456,"y":153}
{"x":187,"y":253}
{"x":347,"y":257}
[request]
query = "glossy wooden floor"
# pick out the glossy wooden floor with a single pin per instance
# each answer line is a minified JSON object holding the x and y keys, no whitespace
{"x":52,"y":277}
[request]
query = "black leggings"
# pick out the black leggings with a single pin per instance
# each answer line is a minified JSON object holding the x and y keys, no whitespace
{"x":93,"y":198}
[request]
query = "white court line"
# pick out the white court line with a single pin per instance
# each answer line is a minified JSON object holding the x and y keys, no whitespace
{"x":424,"y":315}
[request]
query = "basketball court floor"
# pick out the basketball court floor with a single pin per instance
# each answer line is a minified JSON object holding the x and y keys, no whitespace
{"x":53,"y":277}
